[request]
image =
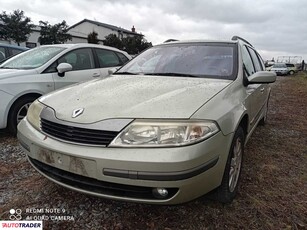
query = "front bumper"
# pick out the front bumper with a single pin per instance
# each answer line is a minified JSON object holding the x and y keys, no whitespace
{"x":129,"y":174}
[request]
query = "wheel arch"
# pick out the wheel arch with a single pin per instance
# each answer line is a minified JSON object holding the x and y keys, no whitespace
{"x":244,"y":123}
{"x":17,"y":98}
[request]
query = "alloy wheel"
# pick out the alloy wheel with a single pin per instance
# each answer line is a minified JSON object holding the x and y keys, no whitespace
{"x":235,"y":166}
{"x":22,"y":112}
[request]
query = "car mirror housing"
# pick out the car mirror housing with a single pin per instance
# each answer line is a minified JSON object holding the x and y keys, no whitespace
{"x":63,"y":67}
{"x":262,"y":77}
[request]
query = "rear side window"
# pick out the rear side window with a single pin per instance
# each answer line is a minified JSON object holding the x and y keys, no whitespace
{"x":15,"y":51}
{"x":290,"y":65}
{"x":2,"y":53}
{"x":107,"y":58}
{"x":255,"y":59}
{"x":247,"y":61}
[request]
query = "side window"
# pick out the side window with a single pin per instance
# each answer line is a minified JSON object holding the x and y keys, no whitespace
{"x":261,"y":61}
{"x":122,"y":57}
{"x":15,"y":51}
{"x":107,"y":58}
{"x":79,"y":59}
{"x":247,"y":61}
{"x":257,"y":64}
{"x":52,"y":68}
{"x":2,"y":53}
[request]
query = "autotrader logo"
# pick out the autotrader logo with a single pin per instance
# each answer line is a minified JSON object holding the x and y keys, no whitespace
{"x":15,"y":214}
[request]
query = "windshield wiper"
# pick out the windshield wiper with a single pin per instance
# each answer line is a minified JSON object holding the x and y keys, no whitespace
{"x":126,"y":73}
{"x":173,"y":74}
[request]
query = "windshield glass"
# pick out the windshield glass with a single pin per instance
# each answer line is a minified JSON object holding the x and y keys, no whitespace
{"x":214,"y":60}
{"x":32,"y":58}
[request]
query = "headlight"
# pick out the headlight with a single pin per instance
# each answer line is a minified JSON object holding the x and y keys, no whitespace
{"x":142,"y":133}
{"x":33,"y":114}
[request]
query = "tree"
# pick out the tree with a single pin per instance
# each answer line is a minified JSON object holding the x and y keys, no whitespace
{"x":92,"y":38}
{"x":16,"y":26}
{"x":135,"y":44}
{"x":53,"y":34}
{"x":132,"y":45}
{"x":113,"y":40}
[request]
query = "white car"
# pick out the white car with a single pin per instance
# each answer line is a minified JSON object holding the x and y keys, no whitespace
{"x":280,"y":69}
{"x":31,"y":74}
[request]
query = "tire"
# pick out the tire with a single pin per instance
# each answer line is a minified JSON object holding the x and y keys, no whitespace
{"x":291,"y":72}
{"x":229,"y":186}
{"x":17,"y":112}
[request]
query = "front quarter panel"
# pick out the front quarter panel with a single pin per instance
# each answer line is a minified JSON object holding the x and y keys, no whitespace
{"x":227,"y":108}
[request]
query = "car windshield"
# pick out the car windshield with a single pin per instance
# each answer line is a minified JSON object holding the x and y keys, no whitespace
{"x":33,"y":58}
{"x":213,"y":60}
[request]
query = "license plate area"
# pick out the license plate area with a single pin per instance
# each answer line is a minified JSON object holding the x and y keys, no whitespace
{"x":73,"y":164}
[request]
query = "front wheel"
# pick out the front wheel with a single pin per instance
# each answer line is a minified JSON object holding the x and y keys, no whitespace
{"x":17,"y":112}
{"x":291,"y":72}
{"x":229,"y":187}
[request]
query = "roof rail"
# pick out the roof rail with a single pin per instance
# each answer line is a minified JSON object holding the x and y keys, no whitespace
{"x":234,"y":38}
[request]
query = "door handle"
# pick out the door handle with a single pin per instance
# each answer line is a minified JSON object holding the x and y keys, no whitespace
{"x":262,"y":90}
{"x":96,"y":75}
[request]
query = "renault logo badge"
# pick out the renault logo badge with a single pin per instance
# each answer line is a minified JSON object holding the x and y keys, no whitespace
{"x":77,"y":112}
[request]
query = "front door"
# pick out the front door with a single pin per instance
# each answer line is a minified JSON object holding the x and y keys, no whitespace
{"x":83,"y":68}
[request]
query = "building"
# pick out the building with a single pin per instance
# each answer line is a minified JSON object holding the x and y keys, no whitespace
{"x":80,"y":31}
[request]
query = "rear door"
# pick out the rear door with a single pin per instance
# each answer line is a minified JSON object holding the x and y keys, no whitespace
{"x":108,"y":59}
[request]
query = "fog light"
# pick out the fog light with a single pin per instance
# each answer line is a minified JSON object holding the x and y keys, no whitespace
{"x":160,"y":193}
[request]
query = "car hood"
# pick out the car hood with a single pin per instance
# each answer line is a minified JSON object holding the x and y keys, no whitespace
{"x":9,"y":73}
{"x":133,"y":97}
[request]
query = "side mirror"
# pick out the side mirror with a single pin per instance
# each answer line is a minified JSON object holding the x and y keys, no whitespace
{"x":62,"y":68}
{"x":262,"y":77}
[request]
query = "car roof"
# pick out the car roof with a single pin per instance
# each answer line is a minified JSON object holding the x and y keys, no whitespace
{"x":199,"y":41}
{"x":81,"y":45}
{"x":84,"y":45}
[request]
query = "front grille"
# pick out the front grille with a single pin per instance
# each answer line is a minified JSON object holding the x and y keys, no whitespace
{"x":97,"y":186}
{"x":76,"y":134}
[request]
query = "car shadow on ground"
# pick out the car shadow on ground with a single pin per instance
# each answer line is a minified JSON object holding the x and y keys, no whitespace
{"x":4,"y":133}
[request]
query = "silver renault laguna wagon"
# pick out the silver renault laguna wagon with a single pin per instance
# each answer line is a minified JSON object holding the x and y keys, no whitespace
{"x":166,"y":128}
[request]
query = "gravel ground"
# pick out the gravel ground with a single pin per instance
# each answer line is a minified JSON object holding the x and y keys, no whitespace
{"x":272,"y":193}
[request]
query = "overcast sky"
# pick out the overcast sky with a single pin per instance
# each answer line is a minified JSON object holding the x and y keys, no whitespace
{"x":274,"y":27}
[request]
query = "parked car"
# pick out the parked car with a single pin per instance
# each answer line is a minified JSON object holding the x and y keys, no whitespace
{"x":292,"y":68}
{"x":7,"y":51}
{"x":280,"y":69}
{"x":164,"y":134}
{"x":29,"y":75}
